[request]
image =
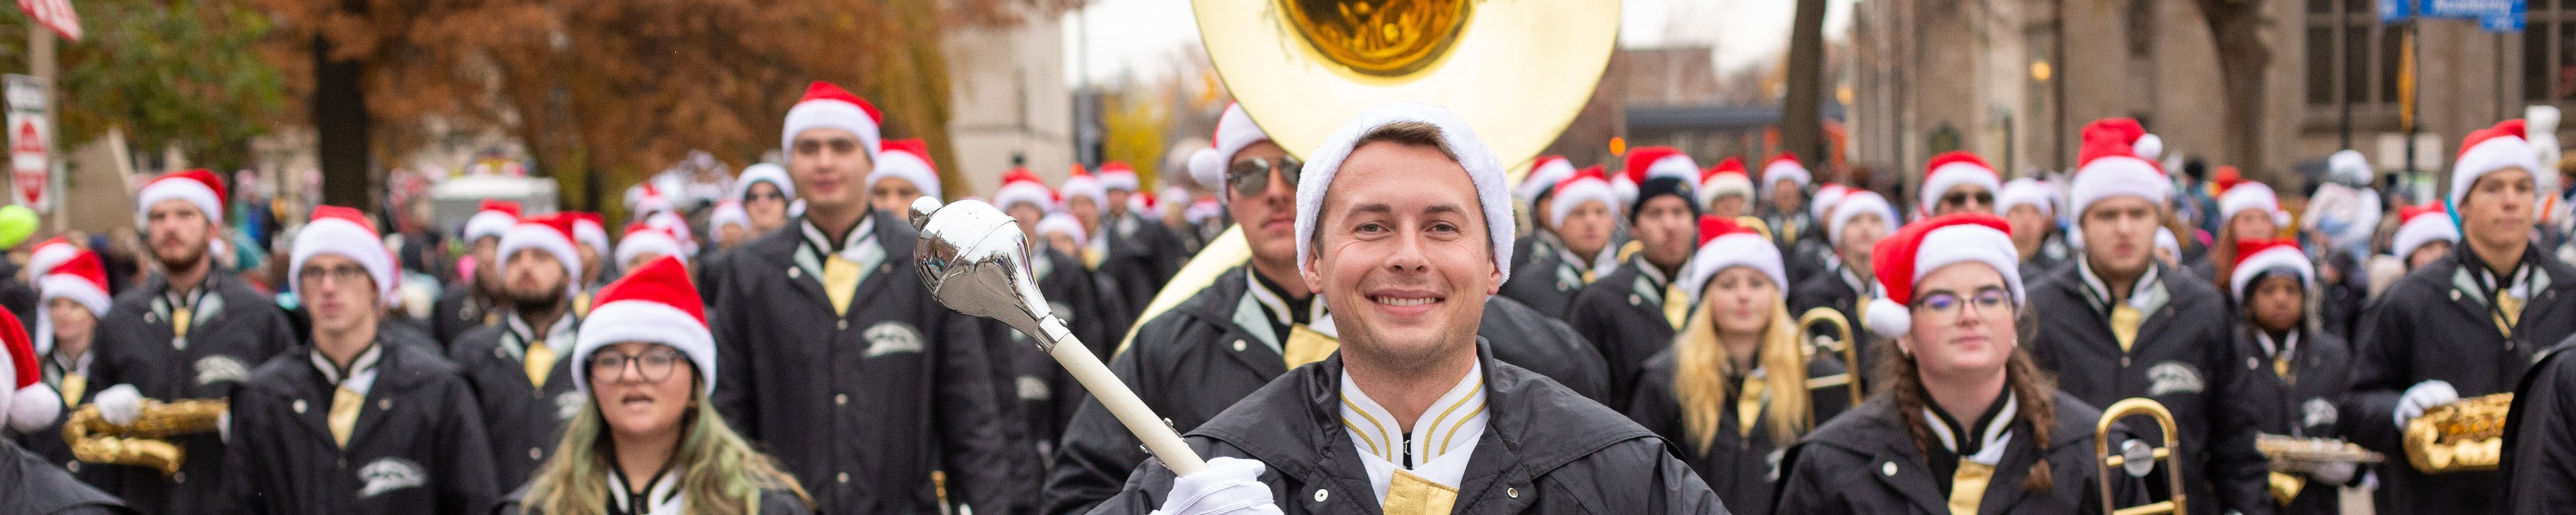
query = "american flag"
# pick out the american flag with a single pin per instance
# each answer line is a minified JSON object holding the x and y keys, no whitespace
{"x":54,"y":14}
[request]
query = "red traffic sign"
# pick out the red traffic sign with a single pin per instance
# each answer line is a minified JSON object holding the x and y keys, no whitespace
{"x":54,"y":14}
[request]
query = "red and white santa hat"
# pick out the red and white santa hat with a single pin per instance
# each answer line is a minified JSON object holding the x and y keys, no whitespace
{"x":1625,"y":187}
{"x":1234,"y":130}
{"x":642,"y":238}
{"x":82,"y":279}
{"x":1484,"y":172}
{"x":50,"y":253}
{"x":31,"y":405}
{"x":655,"y":304}
{"x":551,"y":233}
{"x":826,"y":105}
{"x":1927,"y":245}
{"x":2490,"y":150}
{"x":1587,"y":185}
{"x":1021,"y":187}
{"x":1545,"y":173}
{"x":1856,"y":203}
{"x":1064,"y":223}
{"x":777,"y":175}
{"x":1117,"y":176}
{"x":2111,"y":168}
{"x":2256,"y":257}
{"x":1822,"y":207}
{"x":1727,"y":178}
{"x":491,"y":219}
{"x":645,"y":199}
{"x":1723,"y":245}
{"x":1659,"y":161}
{"x":346,"y":232}
{"x":907,"y":159}
{"x":1950,"y":170}
{"x":678,"y":227}
{"x":2420,"y":225}
{"x":588,"y":229}
{"x":2026,"y":192}
{"x":1785,"y":167}
{"x":2245,"y":195}
{"x":1144,"y":204}
{"x":197,"y":187}
{"x":725,"y":213}
{"x":1081,"y":184}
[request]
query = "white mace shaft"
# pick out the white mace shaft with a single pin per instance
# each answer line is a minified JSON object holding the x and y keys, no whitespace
{"x":1122,"y":402}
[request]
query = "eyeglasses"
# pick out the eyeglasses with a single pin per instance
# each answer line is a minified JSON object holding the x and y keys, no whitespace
{"x":652,"y":366}
{"x":1982,"y":198}
{"x":838,"y":145}
{"x":1251,"y":176}
{"x":1947,"y":306}
{"x":313,"y":276}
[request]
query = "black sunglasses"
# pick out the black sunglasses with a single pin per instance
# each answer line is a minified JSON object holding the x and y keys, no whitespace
{"x":1962,"y":198}
{"x":1251,"y":176}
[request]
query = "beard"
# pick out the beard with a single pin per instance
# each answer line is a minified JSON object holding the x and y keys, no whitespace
{"x":182,"y":257}
{"x":539,"y":301}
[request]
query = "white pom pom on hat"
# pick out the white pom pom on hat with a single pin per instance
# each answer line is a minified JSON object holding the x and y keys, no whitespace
{"x":31,"y":405}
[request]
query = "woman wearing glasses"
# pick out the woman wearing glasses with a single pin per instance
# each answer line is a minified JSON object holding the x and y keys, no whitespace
{"x":1737,"y":386}
{"x":1965,"y":423}
{"x":648,"y":441}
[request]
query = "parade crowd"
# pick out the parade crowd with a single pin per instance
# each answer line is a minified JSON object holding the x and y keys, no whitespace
{"x":1411,"y":333}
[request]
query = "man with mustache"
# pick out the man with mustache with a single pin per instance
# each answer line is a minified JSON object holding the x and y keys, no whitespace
{"x":513,"y":366}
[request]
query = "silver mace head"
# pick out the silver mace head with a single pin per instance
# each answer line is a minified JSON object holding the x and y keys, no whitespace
{"x":975,"y":260}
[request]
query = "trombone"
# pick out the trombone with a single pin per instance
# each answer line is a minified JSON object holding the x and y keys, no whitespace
{"x":1836,"y":337}
{"x":2136,"y":459}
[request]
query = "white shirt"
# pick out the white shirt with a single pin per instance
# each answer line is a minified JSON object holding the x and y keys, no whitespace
{"x":1440,"y":443}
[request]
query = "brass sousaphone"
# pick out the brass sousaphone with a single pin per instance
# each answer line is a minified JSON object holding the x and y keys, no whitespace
{"x":1517,"y":71}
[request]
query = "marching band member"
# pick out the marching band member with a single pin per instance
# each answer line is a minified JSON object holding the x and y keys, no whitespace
{"x":358,"y":420}
{"x":905,"y":174}
{"x":2031,"y":207}
{"x":517,"y":379}
{"x":475,"y":300}
{"x":644,"y":438}
{"x":1739,"y":384}
{"x":73,"y":293}
{"x":1957,"y":182}
{"x":2248,"y":211}
{"x":1630,"y":314}
{"x":1255,"y":323}
{"x":1136,"y":253}
{"x":190,"y":332}
{"x":1967,"y":423}
{"x":2426,"y":235}
{"x":1784,"y":184}
{"x":2537,"y":465}
{"x":1082,"y":196}
{"x":1537,"y":193}
{"x":1725,"y":191}
{"x":767,"y":196}
{"x":1413,"y":416}
{"x":36,"y":486}
{"x":2120,"y":324}
{"x":2295,"y":375}
{"x":2461,"y":326}
{"x":644,"y":243}
{"x":591,"y":239}
{"x":1859,"y":219}
{"x":840,"y":362}
{"x":1582,"y":213}
{"x":729,"y":224}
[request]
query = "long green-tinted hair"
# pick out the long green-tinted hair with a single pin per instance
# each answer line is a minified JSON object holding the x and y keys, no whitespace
{"x":720,"y":474}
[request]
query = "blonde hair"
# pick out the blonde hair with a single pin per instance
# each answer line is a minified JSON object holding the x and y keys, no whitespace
{"x":1701,"y":366}
{"x":720,"y":474}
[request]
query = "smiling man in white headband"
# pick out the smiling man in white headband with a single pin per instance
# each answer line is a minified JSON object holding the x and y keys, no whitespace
{"x":1403,"y":228}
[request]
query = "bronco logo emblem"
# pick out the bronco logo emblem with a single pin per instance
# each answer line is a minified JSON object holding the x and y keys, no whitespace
{"x":389,"y":474}
{"x":892,"y":337}
{"x":2173,"y":377}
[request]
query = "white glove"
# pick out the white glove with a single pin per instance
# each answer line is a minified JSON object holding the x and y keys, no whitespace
{"x":2423,"y":395}
{"x":2335,"y":473}
{"x":119,"y":404}
{"x":1228,"y":486}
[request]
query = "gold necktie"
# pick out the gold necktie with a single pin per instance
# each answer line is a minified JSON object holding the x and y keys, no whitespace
{"x":540,"y":361}
{"x":1408,"y":494}
{"x":73,"y":385}
{"x":1305,"y":345}
{"x":1588,"y":276}
{"x":2281,"y":367}
{"x":2508,"y":313}
{"x":1676,"y":306}
{"x":1968,"y":486}
{"x":581,"y":304}
{"x":840,"y":282}
{"x":1091,"y":258}
{"x":179,"y":319}
{"x":344,"y":414}
{"x":1748,"y":405}
{"x":2124,"y":324}
{"x":2286,"y":486}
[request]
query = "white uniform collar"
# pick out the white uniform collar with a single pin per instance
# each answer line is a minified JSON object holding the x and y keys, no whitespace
{"x":558,"y":337}
{"x":1995,"y":436}
{"x":1442,"y":441}
{"x":2141,"y":295}
{"x":663,"y":495}
{"x":362,"y":371}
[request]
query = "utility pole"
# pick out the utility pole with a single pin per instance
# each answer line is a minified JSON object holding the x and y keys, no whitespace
{"x":40,"y":63}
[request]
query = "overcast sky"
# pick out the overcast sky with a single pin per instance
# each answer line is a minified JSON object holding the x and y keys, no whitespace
{"x":1141,"y":36}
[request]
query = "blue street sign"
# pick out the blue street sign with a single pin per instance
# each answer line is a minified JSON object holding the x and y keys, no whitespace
{"x":2492,"y":15}
{"x":2395,"y":11}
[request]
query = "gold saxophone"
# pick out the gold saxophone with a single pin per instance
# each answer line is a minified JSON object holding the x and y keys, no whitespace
{"x":95,"y":440}
{"x":2460,"y":436}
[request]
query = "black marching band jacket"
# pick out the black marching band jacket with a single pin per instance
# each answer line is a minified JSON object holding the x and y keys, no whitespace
{"x":418,"y":445}
{"x":1622,"y":314}
{"x":1545,"y":450}
{"x":1740,"y":463}
{"x":2293,"y":390}
{"x":232,"y":329}
{"x":1866,"y":462}
{"x":523,"y":420}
